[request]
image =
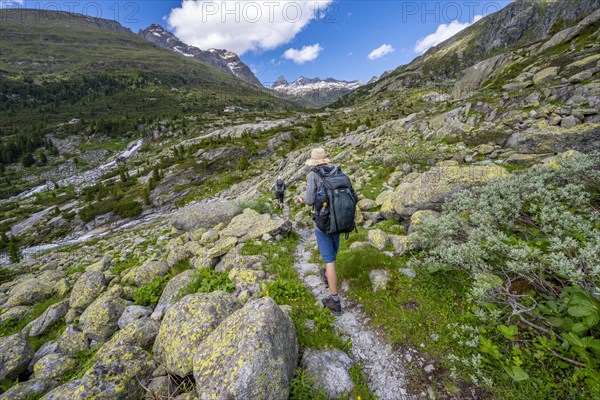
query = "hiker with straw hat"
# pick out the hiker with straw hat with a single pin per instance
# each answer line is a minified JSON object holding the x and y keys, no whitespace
{"x":328,"y":243}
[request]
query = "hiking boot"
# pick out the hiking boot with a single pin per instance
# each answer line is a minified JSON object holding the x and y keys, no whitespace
{"x":324,"y":278}
{"x":334,"y":306}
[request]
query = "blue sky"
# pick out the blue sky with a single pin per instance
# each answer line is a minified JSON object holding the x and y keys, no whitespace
{"x":343,"y":39}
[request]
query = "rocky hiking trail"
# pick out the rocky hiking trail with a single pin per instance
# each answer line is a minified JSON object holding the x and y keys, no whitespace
{"x":384,"y":368}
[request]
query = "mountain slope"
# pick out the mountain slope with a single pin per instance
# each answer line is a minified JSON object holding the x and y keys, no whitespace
{"x":222,"y":59}
{"x":57,"y":66}
{"x":522,"y":22}
{"x":314,"y":92}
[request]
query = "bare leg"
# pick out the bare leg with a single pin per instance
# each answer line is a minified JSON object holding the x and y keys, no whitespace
{"x":331,"y":277}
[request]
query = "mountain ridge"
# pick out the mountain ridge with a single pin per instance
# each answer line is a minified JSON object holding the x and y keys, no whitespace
{"x":222,"y":59}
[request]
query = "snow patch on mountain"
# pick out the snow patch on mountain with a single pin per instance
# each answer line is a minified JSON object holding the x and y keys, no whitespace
{"x":303,"y":86}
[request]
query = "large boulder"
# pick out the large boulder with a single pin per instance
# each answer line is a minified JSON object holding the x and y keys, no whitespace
{"x":72,"y":341}
{"x":330,"y":370}
{"x":205,"y":215}
{"x":86,"y":289}
{"x":31,"y":389}
{"x":53,"y":367}
{"x":100,"y":320}
{"x":52,"y":315}
{"x":252,"y":225}
{"x":545,"y":75}
{"x":172,"y":292}
{"x":140,"y":333}
{"x":430,"y":189}
{"x":471,"y":78}
{"x":119,"y":374}
{"x":251,"y":355}
{"x":186,"y":325}
{"x":29,"y":292}
{"x":552,"y":139}
{"x":15,"y":354}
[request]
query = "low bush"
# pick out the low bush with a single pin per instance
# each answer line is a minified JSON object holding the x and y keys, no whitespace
{"x":149,"y":295}
{"x":530,"y":246}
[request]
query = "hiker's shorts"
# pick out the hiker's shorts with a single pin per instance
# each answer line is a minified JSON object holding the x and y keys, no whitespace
{"x":328,"y":245}
{"x":279,"y":197}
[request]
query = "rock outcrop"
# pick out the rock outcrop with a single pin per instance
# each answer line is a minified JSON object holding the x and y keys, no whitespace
{"x":251,"y":355}
{"x":186,"y":325}
{"x":205,"y":215}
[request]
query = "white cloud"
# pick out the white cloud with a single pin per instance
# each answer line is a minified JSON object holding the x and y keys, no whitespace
{"x":242,"y":25}
{"x":381,"y":51}
{"x":11,"y":3}
{"x":305,"y":54}
{"x":443,"y":32}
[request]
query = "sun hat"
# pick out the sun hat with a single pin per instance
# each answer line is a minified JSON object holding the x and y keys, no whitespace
{"x":317,"y":157}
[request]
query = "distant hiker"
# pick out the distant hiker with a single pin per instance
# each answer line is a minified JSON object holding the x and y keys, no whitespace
{"x":330,"y":193}
{"x":279,"y":188}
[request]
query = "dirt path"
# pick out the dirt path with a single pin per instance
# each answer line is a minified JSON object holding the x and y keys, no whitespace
{"x":383,"y":367}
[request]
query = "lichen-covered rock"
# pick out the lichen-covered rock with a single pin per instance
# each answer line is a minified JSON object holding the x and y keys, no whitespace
{"x":177,"y":254}
{"x":62,"y":288}
{"x":247,"y":279}
{"x":132,"y":314}
{"x":30,"y":389}
{"x":205,"y":215}
{"x":552,"y":139}
{"x":525,"y":159}
{"x":430,"y":189}
{"x":378,"y":238}
{"x":209,"y":237}
{"x":86,"y":289}
{"x":52,"y":315}
{"x":99,"y":320}
{"x":53,"y":367}
{"x":251,"y":355}
{"x":15,"y":314}
{"x":221,"y":247}
{"x":145,"y":274}
{"x":545,"y":75}
{"x":379,"y":279}
{"x":330,"y":370}
{"x":417,"y":218}
{"x":140,"y":333}
{"x":186,"y":325}
{"x":72,"y":341}
{"x":29,"y":292}
{"x":235,"y":260}
{"x":556,"y":162}
{"x":569,"y":122}
{"x":366,"y":204}
{"x":173,"y":290}
{"x":117,"y":375}
{"x":401,"y":243}
{"x":15,"y":354}
{"x":252,"y":225}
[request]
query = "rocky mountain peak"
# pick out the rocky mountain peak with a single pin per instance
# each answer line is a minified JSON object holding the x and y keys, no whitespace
{"x":222,"y":59}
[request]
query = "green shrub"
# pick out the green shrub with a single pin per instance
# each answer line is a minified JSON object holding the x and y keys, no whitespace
{"x":128,"y":208}
{"x":207,"y":280}
{"x":530,"y":246}
{"x":124,"y":265}
{"x":150,"y":294}
{"x":304,"y":387}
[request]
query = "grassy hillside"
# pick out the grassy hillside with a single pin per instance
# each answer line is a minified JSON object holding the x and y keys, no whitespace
{"x":57,"y":66}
